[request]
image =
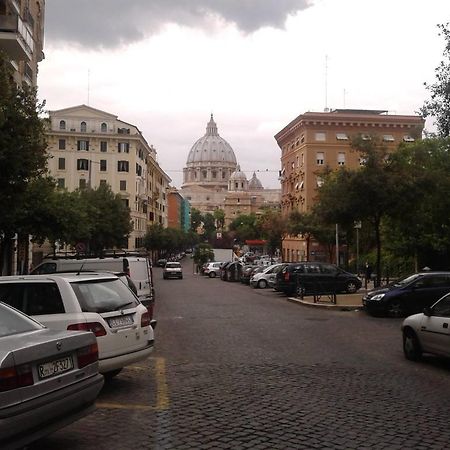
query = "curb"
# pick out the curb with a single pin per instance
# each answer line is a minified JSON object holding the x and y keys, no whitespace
{"x":324,"y":305}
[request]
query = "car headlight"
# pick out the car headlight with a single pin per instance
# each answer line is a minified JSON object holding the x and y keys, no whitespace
{"x":377,"y":297}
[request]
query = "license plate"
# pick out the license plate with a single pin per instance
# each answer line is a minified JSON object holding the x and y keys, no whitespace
{"x":121,"y":321}
{"x":55,"y":367}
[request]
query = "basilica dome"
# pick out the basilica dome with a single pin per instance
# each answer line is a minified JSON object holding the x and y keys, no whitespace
{"x":210,"y":162}
{"x":211,"y":148}
{"x":254,"y":183}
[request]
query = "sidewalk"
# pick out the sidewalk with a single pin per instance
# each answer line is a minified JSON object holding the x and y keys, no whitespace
{"x":344,"y":302}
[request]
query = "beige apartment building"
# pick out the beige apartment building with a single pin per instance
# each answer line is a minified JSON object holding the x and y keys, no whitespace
{"x":22,"y":37}
{"x":89,"y":147}
{"x":316,"y":141}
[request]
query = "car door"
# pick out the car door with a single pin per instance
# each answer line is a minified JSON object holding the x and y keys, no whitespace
{"x":434,"y":331}
{"x":330,"y":280}
{"x":426,"y":291}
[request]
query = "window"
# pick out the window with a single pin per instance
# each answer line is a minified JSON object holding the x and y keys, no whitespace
{"x":123,"y":185}
{"x":102,"y":182}
{"x":320,"y":136}
{"x":104,"y":127}
{"x":320,"y":158}
{"x":83,"y":127}
{"x":366,"y":137}
{"x":362,"y":161}
{"x":341,"y":137}
{"x":138,"y":170}
{"x":319,"y":182}
{"x":408,"y":139}
{"x":61,"y":183}
{"x":103,"y":165}
{"x":122,"y":166}
{"x":83,"y":145}
{"x":82,"y":164}
{"x":341,"y":159}
{"x":126,"y":202}
{"x":103,"y":146}
{"x":442,"y":308}
{"x":82,"y":183}
{"x":123,"y":147}
{"x":388,"y":138}
{"x":61,"y":163}
{"x":62,"y":124}
{"x":62,"y":144}
{"x":214,"y":174}
{"x":204,"y":174}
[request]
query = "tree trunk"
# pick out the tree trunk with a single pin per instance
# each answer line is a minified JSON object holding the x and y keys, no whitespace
{"x":378,"y":244}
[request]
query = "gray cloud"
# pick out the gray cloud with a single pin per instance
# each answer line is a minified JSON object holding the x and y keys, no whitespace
{"x":111,"y":23}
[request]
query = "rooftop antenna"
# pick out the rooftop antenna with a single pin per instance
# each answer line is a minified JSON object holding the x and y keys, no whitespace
{"x":88,"y":86}
{"x":345,"y":92}
{"x":326,"y":83}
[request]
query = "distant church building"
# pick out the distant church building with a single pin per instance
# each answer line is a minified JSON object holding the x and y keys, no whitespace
{"x":212,"y":179}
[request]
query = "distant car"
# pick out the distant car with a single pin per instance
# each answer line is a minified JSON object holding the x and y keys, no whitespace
{"x":307,"y":278}
{"x":234,"y":271}
{"x":172,"y":269}
{"x":48,"y":379}
{"x":428,"y":332}
{"x":212,"y":269}
{"x":263,"y":279}
{"x":248,"y":271}
{"x":161,"y":262}
{"x":409,"y":295}
{"x":95,"y":302}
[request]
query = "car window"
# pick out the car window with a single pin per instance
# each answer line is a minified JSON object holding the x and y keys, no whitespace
{"x":442,"y":308}
{"x":12,"y":322}
{"x":329,"y":269}
{"x":12,"y":294}
{"x":298,"y":269}
{"x":42,"y":298}
{"x":173,"y":265}
{"x":312,"y":268}
{"x":103,"y":295}
{"x":45,"y":268}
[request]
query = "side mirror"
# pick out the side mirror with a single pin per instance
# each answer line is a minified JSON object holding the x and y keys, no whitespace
{"x":427,"y":311}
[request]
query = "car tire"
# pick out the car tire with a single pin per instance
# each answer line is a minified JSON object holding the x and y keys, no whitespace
{"x":411,"y":345}
{"x":351,"y":287}
{"x":262,"y":284}
{"x":212,"y":274}
{"x":395,"y":309}
{"x":110,"y":375}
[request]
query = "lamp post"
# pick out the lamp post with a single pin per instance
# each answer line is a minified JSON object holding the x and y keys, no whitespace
{"x":357,"y":227}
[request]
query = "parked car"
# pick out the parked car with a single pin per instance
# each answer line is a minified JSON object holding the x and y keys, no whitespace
{"x":234,"y":271}
{"x":307,"y":278}
{"x":428,"y":332}
{"x":172,"y":269}
{"x":212,"y":269}
{"x":248,"y":271}
{"x":95,"y":302}
{"x":409,"y":295}
{"x":262,"y":279}
{"x":48,"y":378}
{"x":223,"y":270}
{"x":161,"y":262}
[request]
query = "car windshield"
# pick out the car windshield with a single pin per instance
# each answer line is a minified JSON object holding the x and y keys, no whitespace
{"x":406,"y":280}
{"x":14,"y":322}
{"x":173,"y":265}
{"x":103,"y":295}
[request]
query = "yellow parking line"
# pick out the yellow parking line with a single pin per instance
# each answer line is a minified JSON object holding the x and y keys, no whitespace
{"x":124,"y":406}
{"x":162,"y":396}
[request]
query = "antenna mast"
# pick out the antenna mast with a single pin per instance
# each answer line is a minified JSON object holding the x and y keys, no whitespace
{"x":88,"y":85}
{"x":326,"y":83}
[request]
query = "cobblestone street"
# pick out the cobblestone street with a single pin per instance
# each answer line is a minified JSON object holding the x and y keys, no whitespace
{"x":238,"y":368}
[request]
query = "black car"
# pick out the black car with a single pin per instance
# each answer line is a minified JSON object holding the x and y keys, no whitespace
{"x":309,"y":278}
{"x":248,"y":271}
{"x":409,"y":295}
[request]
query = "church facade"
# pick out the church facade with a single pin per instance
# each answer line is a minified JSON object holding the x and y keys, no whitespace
{"x":212,"y":179}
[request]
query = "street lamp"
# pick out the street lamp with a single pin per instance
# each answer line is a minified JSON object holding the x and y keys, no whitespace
{"x":357,"y":227}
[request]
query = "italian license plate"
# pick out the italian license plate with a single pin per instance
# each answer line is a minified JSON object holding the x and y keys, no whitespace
{"x":121,"y":321}
{"x":56,"y":367}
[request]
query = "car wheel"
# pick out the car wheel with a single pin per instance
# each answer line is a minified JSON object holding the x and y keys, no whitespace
{"x":262,"y":284}
{"x":212,"y":274}
{"x":395,"y":309}
{"x":110,"y":375}
{"x":351,"y":287}
{"x":300,"y":291}
{"x":411,"y":346}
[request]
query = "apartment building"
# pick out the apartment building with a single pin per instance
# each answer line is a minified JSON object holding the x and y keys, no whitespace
{"x":89,"y":147}
{"x":22,"y":37}
{"x":317,"y":141}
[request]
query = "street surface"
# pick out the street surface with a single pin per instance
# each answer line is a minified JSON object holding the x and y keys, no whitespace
{"x":239,"y":368}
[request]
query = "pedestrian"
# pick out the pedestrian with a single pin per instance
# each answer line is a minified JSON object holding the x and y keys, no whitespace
{"x":368,"y":273}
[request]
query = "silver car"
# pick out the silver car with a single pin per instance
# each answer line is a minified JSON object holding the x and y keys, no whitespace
{"x":48,"y":379}
{"x":265,"y":278}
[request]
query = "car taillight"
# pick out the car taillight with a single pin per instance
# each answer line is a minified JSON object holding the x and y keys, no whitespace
{"x":286,"y":276}
{"x":15,"y":377}
{"x":95,"y":327}
{"x":87,"y":355}
{"x":145,"y":319}
{"x":150,"y":310}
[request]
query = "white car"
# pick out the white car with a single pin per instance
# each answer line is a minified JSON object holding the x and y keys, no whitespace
{"x":95,"y":302}
{"x":172,"y":269}
{"x":265,"y":278}
{"x":212,"y":269}
{"x":428,"y":332}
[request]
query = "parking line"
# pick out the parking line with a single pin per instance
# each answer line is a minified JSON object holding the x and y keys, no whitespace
{"x":124,"y":406}
{"x":162,"y":397}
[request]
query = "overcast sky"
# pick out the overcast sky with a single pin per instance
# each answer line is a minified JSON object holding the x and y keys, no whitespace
{"x":166,"y":65}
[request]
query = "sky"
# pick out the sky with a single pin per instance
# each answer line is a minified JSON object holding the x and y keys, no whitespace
{"x":166,"y":65}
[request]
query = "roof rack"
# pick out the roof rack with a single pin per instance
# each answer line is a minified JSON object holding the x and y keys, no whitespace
{"x":114,"y":253}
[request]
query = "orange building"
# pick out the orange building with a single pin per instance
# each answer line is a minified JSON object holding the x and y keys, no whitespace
{"x":316,"y":141}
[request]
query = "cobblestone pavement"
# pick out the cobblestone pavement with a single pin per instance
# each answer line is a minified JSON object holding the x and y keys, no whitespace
{"x":295,"y":396}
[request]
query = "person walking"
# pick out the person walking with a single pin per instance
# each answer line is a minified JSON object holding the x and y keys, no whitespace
{"x":368,"y":273}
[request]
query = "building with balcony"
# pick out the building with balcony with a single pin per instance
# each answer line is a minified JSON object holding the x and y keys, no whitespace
{"x":89,"y":147}
{"x":22,"y":37}
{"x":317,"y":141}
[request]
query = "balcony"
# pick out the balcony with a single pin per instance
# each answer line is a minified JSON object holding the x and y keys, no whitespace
{"x":15,"y":38}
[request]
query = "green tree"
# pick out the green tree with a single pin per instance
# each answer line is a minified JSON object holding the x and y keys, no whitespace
{"x":439,"y":104}
{"x":219,"y":217}
{"x":196,"y":219}
{"x":202,"y":254}
{"x":273,"y":228}
{"x":209,"y":225}
{"x":245,"y":227}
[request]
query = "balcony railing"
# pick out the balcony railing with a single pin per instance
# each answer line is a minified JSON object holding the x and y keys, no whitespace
{"x":19,"y":45}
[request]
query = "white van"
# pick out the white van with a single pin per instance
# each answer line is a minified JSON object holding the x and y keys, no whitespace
{"x":138,"y":268}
